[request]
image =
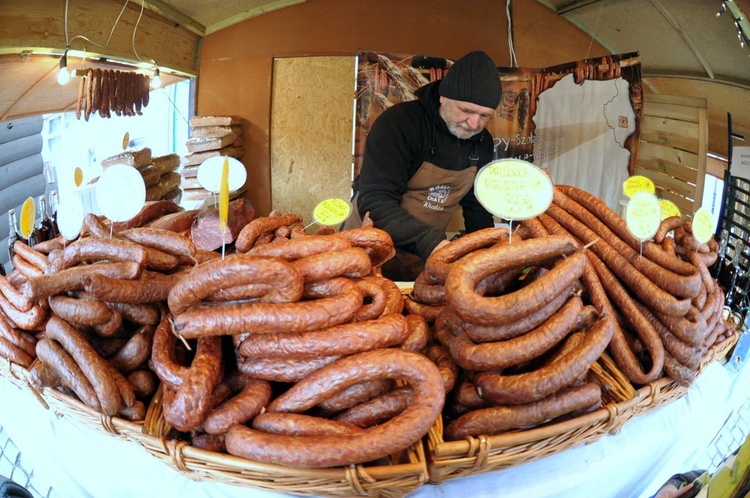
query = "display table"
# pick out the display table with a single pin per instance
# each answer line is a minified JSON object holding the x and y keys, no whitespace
{"x":81,"y":462}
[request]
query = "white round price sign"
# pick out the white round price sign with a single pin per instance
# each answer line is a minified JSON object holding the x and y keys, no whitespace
{"x":332,"y":212}
{"x":120,"y":192}
{"x":70,"y":216}
{"x":703,"y":224}
{"x":209,"y":173}
{"x":643,"y":215}
{"x":513,"y":189}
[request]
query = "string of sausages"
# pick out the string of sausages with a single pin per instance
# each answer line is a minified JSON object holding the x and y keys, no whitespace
{"x":107,"y":91}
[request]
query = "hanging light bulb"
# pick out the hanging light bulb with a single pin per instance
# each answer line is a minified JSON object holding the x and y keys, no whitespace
{"x":156,"y":80}
{"x":63,"y":76}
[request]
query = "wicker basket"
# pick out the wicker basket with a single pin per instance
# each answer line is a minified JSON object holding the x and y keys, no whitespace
{"x":475,"y":455}
{"x":408,"y":472}
{"x":67,"y":406}
{"x":443,"y":460}
{"x":388,"y":481}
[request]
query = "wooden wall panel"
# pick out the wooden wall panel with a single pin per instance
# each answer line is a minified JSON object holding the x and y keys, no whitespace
{"x":38,"y":25}
{"x":672,"y":149}
{"x":236,"y":62}
{"x":311,"y":132}
{"x":21,"y":170}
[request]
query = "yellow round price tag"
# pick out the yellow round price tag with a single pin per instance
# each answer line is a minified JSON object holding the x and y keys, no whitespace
{"x":703,"y":225}
{"x":668,"y":209}
{"x":332,"y":212}
{"x":78,"y":176}
{"x":125,"y":140}
{"x":28,"y":215}
{"x":513,"y":189}
{"x":643,"y":215}
{"x":637,"y":183}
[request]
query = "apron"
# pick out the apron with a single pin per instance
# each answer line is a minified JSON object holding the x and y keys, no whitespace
{"x":433,"y":195}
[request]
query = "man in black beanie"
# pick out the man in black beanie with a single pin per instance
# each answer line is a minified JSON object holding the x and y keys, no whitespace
{"x":420,"y":161}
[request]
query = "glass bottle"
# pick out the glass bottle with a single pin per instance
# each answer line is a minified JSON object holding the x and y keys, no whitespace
{"x":53,"y":203}
{"x":722,"y":254}
{"x":730,"y":288}
{"x":44,"y":226}
{"x":745,"y":256}
{"x":13,"y":235}
{"x":724,"y":278}
{"x":743,"y":280}
{"x":32,"y":240}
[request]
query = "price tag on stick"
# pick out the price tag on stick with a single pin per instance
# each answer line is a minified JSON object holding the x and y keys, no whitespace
{"x":70,"y":216}
{"x":224,"y":197}
{"x":120,"y":192}
{"x":332,"y":212}
{"x":224,"y":204}
{"x":637,"y":183}
{"x":643,"y":215}
{"x":28,"y":215}
{"x":703,"y":225}
{"x":668,"y":209}
{"x":78,"y":176}
{"x":210,"y":173}
{"x":513,"y":189}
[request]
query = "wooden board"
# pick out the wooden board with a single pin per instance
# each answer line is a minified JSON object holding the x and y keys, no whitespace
{"x":312,"y":127}
{"x":672,"y":148}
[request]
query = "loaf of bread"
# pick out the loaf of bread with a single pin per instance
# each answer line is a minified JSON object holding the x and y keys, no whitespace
{"x":197,"y":158}
{"x":165,"y":164}
{"x":214,"y":121}
{"x":215,"y":131}
{"x":200,"y":144}
{"x":136,"y":158}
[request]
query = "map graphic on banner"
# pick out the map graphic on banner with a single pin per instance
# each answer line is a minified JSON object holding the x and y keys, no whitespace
{"x":586,"y":124}
{"x":581,"y":120}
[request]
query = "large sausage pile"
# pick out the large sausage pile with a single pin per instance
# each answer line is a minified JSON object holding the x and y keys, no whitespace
{"x":507,"y":304}
{"x":290,"y":341}
{"x":270,"y":353}
{"x":525,"y":315}
{"x":91,"y":307}
{"x":321,"y":345}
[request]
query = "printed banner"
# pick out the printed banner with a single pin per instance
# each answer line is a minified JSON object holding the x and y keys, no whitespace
{"x":580,"y":120}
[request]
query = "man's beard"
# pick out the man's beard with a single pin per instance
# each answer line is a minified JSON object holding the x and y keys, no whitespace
{"x":460,"y":132}
{"x":456,"y":129}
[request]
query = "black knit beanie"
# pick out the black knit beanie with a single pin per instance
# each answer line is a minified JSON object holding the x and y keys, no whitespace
{"x":473,"y":78}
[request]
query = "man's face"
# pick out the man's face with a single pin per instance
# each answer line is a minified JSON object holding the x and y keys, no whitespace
{"x":464,"y":119}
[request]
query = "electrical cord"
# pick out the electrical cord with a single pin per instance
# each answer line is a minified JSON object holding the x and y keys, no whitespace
{"x":112,"y":31}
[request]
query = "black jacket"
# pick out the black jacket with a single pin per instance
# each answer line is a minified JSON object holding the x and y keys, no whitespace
{"x":400,"y":140}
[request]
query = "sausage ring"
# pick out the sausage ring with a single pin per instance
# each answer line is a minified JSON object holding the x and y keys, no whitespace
{"x":330,"y":451}
{"x":235,"y":270}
